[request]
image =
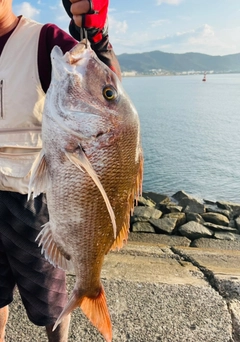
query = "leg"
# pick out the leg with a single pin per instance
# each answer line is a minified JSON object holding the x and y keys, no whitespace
{"x":42,"y":287}
{"x":61,"y":332}
{"x":3,"y":321}
{"x":7,"y":284}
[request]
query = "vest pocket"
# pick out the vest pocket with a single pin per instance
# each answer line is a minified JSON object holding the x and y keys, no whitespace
{"x":17,"y":164}
{"x":1,"y":99}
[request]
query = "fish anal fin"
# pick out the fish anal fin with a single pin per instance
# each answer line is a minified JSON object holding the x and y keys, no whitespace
{"x":96,"y":311}
{"x":54,"y":253}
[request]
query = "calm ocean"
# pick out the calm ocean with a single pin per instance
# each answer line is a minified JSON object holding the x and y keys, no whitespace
{"x":190,"y":134}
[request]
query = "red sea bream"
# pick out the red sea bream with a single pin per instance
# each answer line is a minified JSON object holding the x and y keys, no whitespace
{"x":90,"y":167}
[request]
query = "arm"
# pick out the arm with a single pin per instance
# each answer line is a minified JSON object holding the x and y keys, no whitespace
{"x":91,"y":15}
{"x":50,"y":36}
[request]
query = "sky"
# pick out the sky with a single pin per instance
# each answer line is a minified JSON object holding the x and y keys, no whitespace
{"x":206,"y":26}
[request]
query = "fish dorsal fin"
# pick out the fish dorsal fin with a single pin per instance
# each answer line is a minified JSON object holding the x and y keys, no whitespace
{"x":95,"y":309}
{"x":53,"y":253}
{"x":123,"y":234}
{"x":39,"y":176}
{"x":121,"y":238}
{"x":136,"y":191}
{"x":81,"y":162}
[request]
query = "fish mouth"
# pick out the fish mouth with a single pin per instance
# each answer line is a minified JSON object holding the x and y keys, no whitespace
{"x":78,"y":53}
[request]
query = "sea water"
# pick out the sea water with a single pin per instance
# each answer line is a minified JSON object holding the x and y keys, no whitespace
{"x":190,"y":133}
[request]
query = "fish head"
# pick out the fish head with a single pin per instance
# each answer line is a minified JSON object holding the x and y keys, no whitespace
{"x":89,"y":97}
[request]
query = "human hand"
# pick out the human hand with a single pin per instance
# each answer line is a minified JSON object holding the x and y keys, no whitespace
{"x":78,"y":9}
{"x":90,"y":15}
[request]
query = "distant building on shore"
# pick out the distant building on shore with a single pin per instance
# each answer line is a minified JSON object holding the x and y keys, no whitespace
{"x":129,"y":73}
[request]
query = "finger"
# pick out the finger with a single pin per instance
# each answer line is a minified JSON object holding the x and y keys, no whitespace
{"x":77,"y":20}
{"x":73,"y":1}
{"x":80,"y":7}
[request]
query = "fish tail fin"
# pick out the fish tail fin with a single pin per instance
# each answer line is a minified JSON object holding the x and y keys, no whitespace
{"x":95,"y":309}
{"x":73,"y":303}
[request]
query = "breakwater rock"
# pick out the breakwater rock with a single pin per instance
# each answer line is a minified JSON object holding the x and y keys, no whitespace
{"x":181,"y":215}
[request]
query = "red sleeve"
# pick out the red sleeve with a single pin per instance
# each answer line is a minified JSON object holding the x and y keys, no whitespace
{"x":50,"y":36}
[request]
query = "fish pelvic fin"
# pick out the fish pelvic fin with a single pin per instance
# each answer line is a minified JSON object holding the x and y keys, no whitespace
{"x":39,"y":176}
{"x":53,"y":253}
{"x":81,"y":162}
{"x":95,"y":309}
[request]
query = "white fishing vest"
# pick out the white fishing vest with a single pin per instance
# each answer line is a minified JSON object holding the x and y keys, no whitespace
{"x":21,"y":106}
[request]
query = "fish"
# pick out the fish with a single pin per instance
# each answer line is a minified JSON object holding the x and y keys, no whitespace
{"x":91,"y":169}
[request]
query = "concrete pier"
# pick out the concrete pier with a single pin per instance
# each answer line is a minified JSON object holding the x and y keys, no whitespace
{"x":157,"y":293}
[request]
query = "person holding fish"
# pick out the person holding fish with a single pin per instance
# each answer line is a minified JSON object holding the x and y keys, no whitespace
{"x":25,"y":75}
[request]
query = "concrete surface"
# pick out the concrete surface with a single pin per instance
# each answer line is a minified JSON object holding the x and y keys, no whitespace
{"x":157,"y":293}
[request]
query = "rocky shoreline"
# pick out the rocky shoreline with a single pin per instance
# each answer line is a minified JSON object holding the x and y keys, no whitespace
{"x":181,"y":219}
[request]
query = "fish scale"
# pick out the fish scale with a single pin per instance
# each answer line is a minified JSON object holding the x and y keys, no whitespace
{"x":91,"y":167}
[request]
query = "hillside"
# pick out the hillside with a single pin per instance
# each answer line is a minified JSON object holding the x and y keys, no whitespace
{"x":177,"y":63}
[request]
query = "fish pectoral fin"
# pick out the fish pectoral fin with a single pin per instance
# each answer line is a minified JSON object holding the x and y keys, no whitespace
{"x":53,"y":253}
{"x":95,"y":309}
{"x":81,"y":162}
{"x":38,"y":176}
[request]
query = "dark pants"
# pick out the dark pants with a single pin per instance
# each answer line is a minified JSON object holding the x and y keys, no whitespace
{"x":41,"y":286}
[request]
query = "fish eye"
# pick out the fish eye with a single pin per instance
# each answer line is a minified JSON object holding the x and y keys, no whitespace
{"x":109,"y":93}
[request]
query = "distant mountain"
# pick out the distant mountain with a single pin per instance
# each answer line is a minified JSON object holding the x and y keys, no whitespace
{"x":173,"y":62}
